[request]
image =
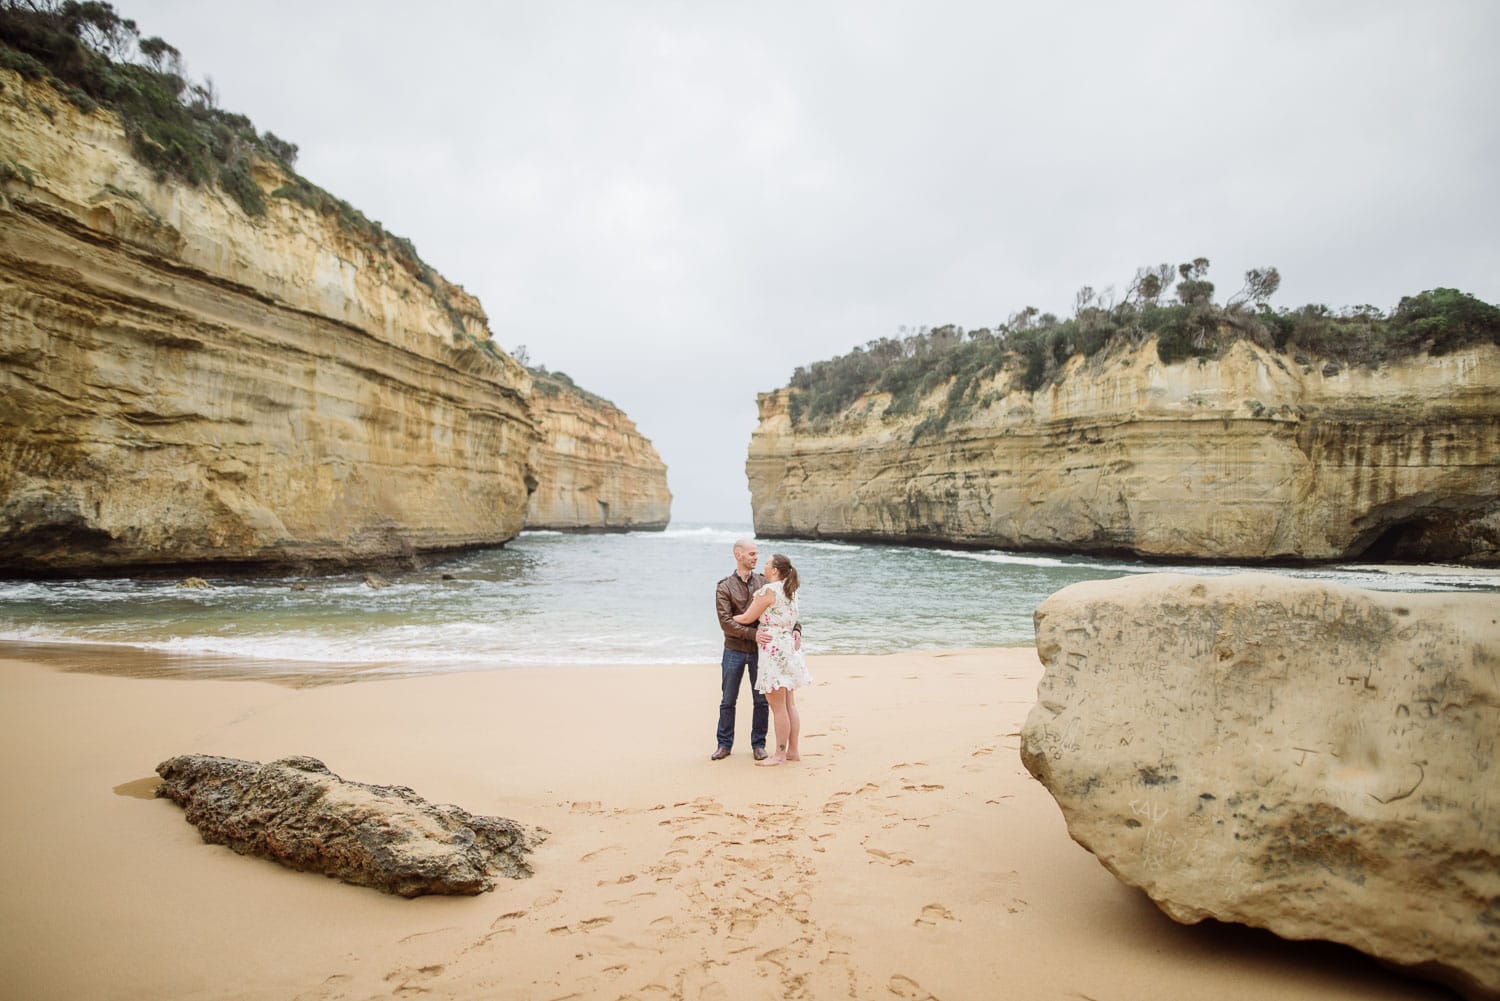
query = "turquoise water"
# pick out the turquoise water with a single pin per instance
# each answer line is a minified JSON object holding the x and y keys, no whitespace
{"x":549,"y":598}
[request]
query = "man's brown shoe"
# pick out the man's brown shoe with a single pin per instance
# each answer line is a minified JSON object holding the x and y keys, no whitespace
{"x":760,"y":753}
{"x":722,"y":753}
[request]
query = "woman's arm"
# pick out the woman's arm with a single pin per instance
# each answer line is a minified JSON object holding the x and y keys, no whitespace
{"x":760,"y":604}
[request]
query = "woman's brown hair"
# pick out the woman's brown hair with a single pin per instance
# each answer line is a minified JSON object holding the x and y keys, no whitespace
{"x":788,"y":575}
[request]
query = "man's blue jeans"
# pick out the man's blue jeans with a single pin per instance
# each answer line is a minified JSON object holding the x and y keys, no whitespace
{"x":734,"y":664}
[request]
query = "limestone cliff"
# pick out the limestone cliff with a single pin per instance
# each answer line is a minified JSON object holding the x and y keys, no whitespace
{"x":595,"y":471}
{"x":1249,"y":457}
{"x":181,"y":382}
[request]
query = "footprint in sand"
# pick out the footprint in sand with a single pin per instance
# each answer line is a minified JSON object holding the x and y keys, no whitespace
{"x":589,"y":857}
{"x":586,"y":925}
{"x":889,"y":858}
{"x":408,"y":975}
{"x":981,"y":752}
{"x":906,"y":987}
{"x":931,"y":915}
{"x":780,"y":957}
{"x":629,"y":877}
{"x":588,"y":806}
{"x":742,"y":924}
{"x":926,"y":787}
{"x":332,"y":988}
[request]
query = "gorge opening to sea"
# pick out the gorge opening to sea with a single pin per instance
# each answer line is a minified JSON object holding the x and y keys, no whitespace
{"x":550,"y":598}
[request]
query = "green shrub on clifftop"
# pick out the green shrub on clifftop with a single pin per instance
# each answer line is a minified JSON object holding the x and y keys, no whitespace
{"x":85,"y":51}
{"x":94,"y":57}
{"x":1034,"y":347}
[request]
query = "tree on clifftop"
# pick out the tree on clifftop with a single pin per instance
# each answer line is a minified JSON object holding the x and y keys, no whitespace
{"x":1193,"y":289}
{"x":1035,"y":347}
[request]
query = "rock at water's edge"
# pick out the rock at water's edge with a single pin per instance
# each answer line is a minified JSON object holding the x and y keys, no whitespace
{"x":300,"y":814}
{"x":1315,"y":760}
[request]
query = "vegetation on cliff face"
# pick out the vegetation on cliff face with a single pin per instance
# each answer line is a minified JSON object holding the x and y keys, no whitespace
{"x":96,"y":58}
{"x":549,"y":383}
{"x":1035,"y":346}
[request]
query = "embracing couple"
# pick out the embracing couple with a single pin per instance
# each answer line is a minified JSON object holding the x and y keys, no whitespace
{"x":758,"y":614}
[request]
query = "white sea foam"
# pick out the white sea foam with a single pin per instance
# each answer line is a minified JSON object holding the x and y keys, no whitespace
{"x":991,"y":556}
{"x":631,"y":598}
{"x":715,"y":533}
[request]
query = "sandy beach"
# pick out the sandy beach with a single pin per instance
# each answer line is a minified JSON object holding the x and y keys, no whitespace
{"x":908,"y":855}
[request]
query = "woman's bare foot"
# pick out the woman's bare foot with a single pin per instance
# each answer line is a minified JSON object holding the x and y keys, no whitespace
{"x":793,"y":756}
{"x":779,"y":758}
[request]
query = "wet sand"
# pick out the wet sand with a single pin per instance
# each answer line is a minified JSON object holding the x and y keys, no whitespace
{"x":908,"y":855}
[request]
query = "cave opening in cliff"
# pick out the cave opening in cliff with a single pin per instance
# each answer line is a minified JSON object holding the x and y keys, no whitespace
{"x":1401,"y":541}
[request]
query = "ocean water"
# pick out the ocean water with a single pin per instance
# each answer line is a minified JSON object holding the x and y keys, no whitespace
{"x":550,"y":598}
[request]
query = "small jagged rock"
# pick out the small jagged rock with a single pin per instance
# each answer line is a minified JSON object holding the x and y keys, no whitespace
{"x":375,"y":582}
{"x":1311,"y":759}
{"x":300,"y":814}
{"x":196,"y":583}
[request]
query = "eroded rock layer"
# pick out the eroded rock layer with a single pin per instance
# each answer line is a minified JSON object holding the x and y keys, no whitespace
{"x":1316,"y":760}
{"x":183,"y":383}
{"x":1250,"y":457}
{"x":595,"y":471}
{"x":296,"y":812}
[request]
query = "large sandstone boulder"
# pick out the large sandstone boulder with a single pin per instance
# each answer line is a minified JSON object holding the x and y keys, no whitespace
{"x":1315,"y":760}
{"x":300,"y":814}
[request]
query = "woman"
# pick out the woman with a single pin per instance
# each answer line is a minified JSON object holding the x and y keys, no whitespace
{"x":782,"y":669}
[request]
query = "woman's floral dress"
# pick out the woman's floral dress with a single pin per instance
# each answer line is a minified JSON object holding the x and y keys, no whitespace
{"x":781,"y":664}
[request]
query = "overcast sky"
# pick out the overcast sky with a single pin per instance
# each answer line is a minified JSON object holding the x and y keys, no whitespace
{"x":677,"y":203}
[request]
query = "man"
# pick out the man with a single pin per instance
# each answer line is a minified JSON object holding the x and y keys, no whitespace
{"x":732,"y":597}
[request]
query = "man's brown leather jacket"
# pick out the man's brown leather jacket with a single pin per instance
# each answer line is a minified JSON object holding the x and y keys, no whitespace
{"x":732,"y":597}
